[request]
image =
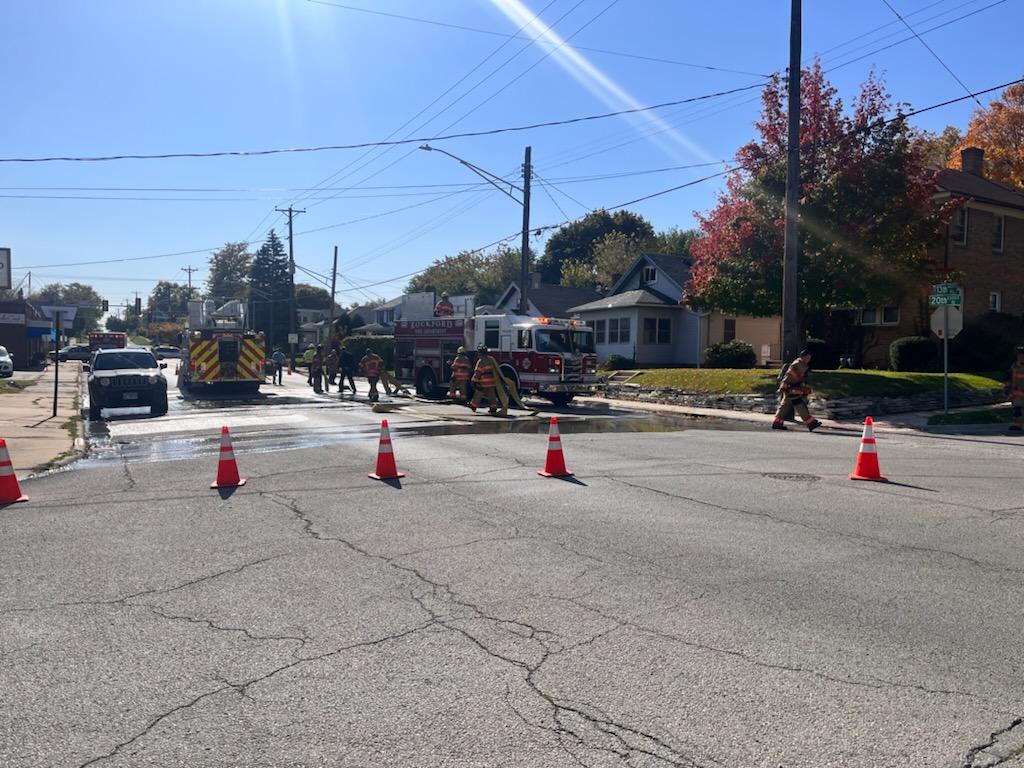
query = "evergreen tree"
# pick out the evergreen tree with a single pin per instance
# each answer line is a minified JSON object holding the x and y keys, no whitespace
{"x":270,"y":290}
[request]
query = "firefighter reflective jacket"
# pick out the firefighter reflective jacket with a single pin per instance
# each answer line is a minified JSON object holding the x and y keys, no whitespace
{"x":483,"y":376}
{"x":1017,"y":381}
{"x":371,"y":364}
{"x":460,"y":368}
{"x":792,"y":384}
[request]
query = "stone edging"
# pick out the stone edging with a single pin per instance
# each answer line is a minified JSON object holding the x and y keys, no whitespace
{"x":831,"y":408}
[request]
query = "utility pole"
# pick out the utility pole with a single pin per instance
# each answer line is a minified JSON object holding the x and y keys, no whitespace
{"x":190,"y":270}
{"x":524,"y":266}
{"x":790,"y":330}
{"x":334,"y":282}
{"x":291,"y":273}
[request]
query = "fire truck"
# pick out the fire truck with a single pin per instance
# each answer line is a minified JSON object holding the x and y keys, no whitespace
{"x":107,"y":340}
{"x":218,"y":351}
{"x":545,"y":356}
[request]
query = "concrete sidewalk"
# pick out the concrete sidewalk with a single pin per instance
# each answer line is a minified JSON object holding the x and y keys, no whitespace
{"x":895,"y":422}
{"x":34,"y":436}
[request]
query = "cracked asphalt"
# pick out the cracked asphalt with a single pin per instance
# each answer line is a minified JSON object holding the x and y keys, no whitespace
{"x":694,"y":598}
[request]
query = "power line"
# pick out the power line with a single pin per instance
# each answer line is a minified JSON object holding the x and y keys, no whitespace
{"x":384,"y":143}
{"x":931,"y":50}
{"x":518,"y":36}
{"x":900,"y":116}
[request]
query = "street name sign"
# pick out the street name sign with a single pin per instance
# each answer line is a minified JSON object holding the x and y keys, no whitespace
{"x":946,"y":294}
{"x":5,"y":268}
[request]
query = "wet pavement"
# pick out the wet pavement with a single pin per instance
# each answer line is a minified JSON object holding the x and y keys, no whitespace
{"x":292,"y":416}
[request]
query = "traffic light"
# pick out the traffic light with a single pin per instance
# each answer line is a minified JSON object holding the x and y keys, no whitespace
{"x":138,"y":306}
{"x":106,"y":306}
{"x":149,"y":317}
{"x":174,"y":316}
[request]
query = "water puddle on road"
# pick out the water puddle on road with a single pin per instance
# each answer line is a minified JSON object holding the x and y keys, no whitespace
{"x":104,"y":448}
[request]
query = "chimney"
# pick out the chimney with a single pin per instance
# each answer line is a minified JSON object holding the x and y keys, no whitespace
{"x":535,"y":279}
{"x":972,"y":161}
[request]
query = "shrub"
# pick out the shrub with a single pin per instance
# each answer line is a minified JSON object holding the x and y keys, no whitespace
{"x":730,"y":354}
{"x":987,"y":344}
{"x":382,"y":345}
{"x":618,"y":363}
{"x":912,"y":353}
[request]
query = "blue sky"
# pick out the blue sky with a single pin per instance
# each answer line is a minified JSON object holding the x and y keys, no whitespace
{"x":123,"y":76}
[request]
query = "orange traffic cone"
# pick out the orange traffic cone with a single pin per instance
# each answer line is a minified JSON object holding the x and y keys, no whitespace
{"x":10,"y":491}
{"x":554,"y":465}
{"x":227,"y":467}
{"x":386,"y":469}
{"x":867,"y":457}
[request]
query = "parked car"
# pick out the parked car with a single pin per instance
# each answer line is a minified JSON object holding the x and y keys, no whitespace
{"x":6,"y":363}
{"x":72,"y":352}
{"x":168,"y":351}
{"x":126,"y":378}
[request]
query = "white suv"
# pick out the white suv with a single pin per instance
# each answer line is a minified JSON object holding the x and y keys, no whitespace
{"x":6,"y":363}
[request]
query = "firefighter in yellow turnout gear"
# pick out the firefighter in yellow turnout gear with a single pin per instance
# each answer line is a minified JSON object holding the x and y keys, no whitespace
{"x":793,"y":392}
{"x":485,"y":380}
{"x":461,"y":371}
{"x":1016,"y":389}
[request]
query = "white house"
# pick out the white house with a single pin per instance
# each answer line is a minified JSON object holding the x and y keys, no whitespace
{"x":642,"y":319}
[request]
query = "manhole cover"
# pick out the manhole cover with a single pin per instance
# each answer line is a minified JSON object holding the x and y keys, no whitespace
{"x":793,"y":477}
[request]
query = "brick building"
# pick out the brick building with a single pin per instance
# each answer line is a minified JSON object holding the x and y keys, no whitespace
{"x":984,"y":243}
{"x":25,"y":332}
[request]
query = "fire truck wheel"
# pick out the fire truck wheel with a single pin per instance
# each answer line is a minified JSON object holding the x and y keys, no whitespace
{"x":426,"y":383}
{"x":560,"y":399}
{"x":510,"y":373}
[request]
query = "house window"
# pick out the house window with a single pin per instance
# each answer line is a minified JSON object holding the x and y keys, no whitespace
{"x":618,"y":330}
{"x":650,"y":275}
{"x":491,"y":333}
{"x":657,"y":330}
{"x":880,"y":316}
{"x":997,"y":233}
{"x":958,"y":227}
{"x":599,"y":326}
{"x":730,"y":330}
{"x":995,"y":301}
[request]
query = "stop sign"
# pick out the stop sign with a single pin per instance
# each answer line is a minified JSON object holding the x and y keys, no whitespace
{"x":954,"y":323}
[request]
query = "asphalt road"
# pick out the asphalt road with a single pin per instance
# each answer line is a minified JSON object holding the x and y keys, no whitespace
{"x":693,"y":597}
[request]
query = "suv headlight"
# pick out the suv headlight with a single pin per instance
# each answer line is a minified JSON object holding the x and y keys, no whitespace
{"x":104,"y":382}
{"x":154,"y":379}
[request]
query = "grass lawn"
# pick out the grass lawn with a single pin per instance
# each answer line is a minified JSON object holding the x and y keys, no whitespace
{"x":844,"y":383}
{"x":1001,"y":415}
{"x":140,"y":340}
{"x":9,"y":386}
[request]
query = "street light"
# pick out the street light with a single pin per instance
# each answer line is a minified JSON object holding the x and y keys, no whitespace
{"x":499,"y":183}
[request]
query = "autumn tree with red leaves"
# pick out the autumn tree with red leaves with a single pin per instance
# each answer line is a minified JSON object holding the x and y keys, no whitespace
{"x":999,"y":130}
{"x":867,"y":215}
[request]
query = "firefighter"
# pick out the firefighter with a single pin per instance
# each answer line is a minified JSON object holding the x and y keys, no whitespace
{"x":371,"y":365}
{"x":331,"y":367}
{"x":793,"y":391}
{"x":444,"y":308}
{"x":1015,"y":386}
{"x":316,"y":369}
{"x":347,"y":369}
{"x":485,"y":379}
{"x":461,"y":370}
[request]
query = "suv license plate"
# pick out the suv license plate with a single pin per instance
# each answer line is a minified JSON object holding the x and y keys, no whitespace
{"x":130,"y":396}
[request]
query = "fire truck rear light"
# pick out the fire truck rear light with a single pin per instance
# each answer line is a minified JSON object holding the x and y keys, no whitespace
{"x":558,"y":361}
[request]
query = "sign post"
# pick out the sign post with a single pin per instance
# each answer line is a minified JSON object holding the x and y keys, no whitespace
{"x":5,"y":269}
{"x":58,"y":315}
{"x":947,"y":322}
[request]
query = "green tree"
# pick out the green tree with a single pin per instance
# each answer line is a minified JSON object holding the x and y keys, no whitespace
{"x":79,"y":295}
{"x":674,"y":241}
{"x":486,"y":275}
{"x":578,"y":274}
{"x":311,"y":297}
{"x":229,"y":272}
{"x":168,"y":299}
{"x":578,"y":239}
{"x":613,"y":255}
{"x":938,"y":148}
{"x":867,"y":213}
{"x":270,"y":284}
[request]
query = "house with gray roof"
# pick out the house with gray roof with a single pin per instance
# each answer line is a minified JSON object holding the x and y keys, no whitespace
{"x":545,"y":300}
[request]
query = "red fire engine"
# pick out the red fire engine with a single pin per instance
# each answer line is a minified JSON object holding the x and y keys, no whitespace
{"x":107,"y":340}
{"x":550,"y":357}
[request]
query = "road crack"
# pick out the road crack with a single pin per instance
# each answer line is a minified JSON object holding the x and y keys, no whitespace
{"x":987,"y":755}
